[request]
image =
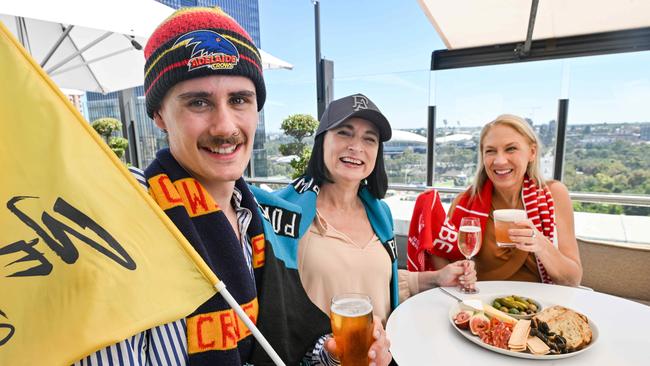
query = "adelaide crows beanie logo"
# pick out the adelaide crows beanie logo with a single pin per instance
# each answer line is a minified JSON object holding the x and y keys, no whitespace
{"x":209,"y":49}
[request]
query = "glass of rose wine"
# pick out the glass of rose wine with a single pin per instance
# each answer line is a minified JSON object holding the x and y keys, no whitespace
{"x":469,"y":243}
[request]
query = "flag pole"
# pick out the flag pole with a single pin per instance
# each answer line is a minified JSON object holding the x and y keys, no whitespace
{"x":221,"y":288}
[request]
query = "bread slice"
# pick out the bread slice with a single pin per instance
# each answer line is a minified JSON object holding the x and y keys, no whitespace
{"x":567,"y":325}
{"x":586,"y":329}
{"x":550,"y":313}
{"x":573,"y":326}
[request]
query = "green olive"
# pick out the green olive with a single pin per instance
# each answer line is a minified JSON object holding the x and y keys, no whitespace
{"x":513,"y":311}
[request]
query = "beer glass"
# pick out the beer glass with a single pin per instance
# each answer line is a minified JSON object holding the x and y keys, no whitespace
{"x":504,"y":220}
{"x":469,"y":243}
{"x":351,"y":317}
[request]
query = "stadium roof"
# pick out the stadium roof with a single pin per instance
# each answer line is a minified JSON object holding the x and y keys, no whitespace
{"x":406,"y":136}
{"x":454,"y":138}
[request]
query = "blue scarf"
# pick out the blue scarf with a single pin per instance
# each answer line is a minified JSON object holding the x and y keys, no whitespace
{"x":292,"y":210}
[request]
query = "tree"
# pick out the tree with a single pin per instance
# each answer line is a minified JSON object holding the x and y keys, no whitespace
{"x":105,"y":128}
{"x":298,"y":126}
{"x":614,"y":167}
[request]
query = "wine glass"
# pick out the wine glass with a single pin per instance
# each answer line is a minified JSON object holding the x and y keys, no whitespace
{"x":469,"y":243}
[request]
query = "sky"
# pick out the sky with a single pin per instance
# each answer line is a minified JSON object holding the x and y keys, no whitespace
{"x":383,"y":49}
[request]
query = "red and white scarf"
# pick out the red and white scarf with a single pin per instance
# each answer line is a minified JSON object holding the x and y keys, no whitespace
{"x":432,"y":231}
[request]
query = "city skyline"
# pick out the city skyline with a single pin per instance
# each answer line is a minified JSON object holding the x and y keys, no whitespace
{"x":383,"y":50}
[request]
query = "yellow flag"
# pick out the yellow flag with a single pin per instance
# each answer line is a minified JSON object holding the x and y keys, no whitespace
{"x":86,"y":257}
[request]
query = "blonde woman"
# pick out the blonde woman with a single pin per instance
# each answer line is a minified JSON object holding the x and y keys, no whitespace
{"x":509,"y":177}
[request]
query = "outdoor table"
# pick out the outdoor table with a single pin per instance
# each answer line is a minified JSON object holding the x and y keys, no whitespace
{"x":421,"y":334}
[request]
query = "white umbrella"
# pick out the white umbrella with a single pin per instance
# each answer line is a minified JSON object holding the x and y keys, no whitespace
{"x":270,"y":62}
{"x":91,"y":45}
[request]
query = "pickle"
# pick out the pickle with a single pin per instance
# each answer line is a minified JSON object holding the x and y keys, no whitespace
{"x":520,"y":299}
{"x":521,"y":305}
{"x":496,"y":304}
{"x":510,"y":303}
{"x":513,"y":311}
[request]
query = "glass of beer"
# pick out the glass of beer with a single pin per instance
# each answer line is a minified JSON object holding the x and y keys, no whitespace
{"x":504,"y":220}
{"x":351,"y":317}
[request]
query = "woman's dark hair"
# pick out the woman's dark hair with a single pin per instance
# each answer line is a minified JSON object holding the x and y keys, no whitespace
{"x":377,"y":180}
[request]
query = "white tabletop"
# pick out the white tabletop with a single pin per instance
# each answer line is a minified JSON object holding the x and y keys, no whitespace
{"x":421,"y":334}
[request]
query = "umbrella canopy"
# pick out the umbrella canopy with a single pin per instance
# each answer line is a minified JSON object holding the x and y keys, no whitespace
{"x":270,"y":62}
{"x":91,"y":45}
{"x":474,"y":23}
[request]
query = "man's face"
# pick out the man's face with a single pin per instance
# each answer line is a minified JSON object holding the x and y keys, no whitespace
{"x":211,"y":123}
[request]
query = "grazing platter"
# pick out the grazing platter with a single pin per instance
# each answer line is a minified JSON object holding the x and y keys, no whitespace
{"x":550,"y":332}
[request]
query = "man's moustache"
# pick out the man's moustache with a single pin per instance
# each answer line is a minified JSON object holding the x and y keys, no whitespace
{"x":234,"y":139}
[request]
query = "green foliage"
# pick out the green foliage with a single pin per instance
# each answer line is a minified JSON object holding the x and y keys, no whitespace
{"x":292,"y":148}
{"x":300,"y":165}
{"x":106,"y":126}
{"x":406,"y":168}
{"x":118,"y":145}
{"x":598,"y":208}
{"x":617,"y":167}
{"x":298,"y":126}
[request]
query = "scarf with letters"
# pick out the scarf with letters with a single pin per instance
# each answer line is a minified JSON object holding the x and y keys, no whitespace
{"x":303,"y":191}
{"x":432,"y":231}
{"x":273,"y":298}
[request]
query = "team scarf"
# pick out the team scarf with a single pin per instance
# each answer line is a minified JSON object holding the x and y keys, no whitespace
{"x":273,"y":296}
{"x":431,"y":230}
{"x":303,"y":192}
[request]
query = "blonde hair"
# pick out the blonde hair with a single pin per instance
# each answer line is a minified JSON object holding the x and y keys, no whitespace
{"x":524,"y":129}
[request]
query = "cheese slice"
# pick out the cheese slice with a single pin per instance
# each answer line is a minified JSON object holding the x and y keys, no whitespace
{"x":492,"y":312}
{"x":537,"y":347}
{"x":519,"y":335}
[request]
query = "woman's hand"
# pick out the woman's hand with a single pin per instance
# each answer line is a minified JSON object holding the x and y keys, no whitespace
{"x":378,"y":354}
{"x":457,"y":273}
{"x":529,"y":239}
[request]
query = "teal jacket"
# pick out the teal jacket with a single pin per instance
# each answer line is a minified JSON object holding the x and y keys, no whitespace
{"x":292,"y":209}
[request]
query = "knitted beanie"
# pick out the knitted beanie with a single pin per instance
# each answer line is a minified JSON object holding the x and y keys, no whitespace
{"x":196,"y":42}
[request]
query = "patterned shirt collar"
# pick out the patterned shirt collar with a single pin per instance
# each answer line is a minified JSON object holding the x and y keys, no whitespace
{"x":244,"y":217}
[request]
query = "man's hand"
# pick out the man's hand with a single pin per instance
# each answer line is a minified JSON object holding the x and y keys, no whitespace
{"x":378,"y":354}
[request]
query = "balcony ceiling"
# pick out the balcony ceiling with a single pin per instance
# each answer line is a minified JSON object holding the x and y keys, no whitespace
{"x":473,"y":23}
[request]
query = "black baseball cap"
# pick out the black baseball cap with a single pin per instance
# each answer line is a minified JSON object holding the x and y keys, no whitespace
{"x":357,"y":105}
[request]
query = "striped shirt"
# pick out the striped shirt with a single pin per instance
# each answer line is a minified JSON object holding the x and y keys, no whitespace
{"x":166,"y":345}
{"x":244,"y":217}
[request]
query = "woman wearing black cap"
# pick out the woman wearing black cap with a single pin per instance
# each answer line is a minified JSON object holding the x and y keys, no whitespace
{"x":346,"y":240}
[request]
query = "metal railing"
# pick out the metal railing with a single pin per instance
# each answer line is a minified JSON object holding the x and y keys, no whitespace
{"x":618,"y":199}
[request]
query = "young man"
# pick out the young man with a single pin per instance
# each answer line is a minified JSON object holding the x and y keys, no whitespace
{"x":204,"y":87}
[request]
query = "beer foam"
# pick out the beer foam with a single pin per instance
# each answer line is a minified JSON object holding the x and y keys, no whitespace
{"x":509,"y":215}
{"x":351,"y":307}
